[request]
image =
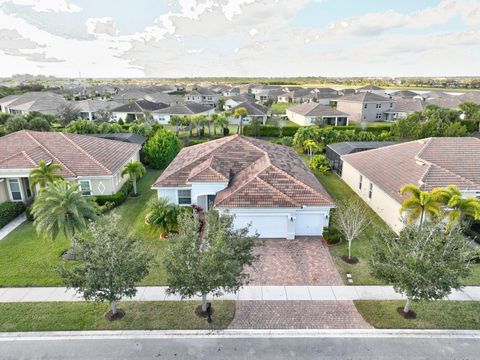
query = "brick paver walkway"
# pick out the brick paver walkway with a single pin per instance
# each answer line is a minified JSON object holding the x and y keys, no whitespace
{"x":297,"y":315}
{"x":303,"y":261}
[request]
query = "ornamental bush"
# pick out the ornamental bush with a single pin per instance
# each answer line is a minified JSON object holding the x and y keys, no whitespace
{"x":9,"y":211}
{"x":161,"y":149}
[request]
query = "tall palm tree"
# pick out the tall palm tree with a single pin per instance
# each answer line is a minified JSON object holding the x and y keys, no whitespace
{"x":61,"y":208}
{"x":460,"y":208}
{"x":214,"y":119}
{"x":240,"y":113}
{"x":176,"y":121}
{"x":134,"y":170}
{"x":420,"y":204}
{"x":223,"y":122}
{"x":44,"y":174}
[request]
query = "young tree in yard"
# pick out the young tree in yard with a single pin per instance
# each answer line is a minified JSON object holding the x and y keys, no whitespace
{"x":161,"y":148}
{"x":207,"y":260}
{"x":255,"y":127}
{"x":112,"y":262}
{"x":135,"y":170}
{"x":61,"y":208}
{"x":221,"y":103}
{"x":420,"y":204}
{"x":16,"y":123}
{"x":424,"y":263}
{"x":39,"y":124}
{"x":351,"y":219}
{"x":44,"y":174}
{"x":68,"y":113}
{"x":240,"y":113}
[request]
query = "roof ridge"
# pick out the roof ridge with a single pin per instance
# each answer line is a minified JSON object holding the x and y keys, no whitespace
{"x":48,"y":152}
{"x":86,"y":153}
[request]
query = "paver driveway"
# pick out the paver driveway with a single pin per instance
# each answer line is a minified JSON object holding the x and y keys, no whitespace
{"x":303,"y":261}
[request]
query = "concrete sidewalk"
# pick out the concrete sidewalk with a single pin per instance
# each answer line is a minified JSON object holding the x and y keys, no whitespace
{"x":261,"y":293}
{"x":12,"y":225}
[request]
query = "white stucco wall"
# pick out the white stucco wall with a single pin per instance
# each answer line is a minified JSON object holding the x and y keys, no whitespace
{"x":382,"y":203}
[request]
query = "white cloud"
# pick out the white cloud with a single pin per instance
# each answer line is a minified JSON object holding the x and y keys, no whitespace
{"x":103,"y":25}
{"x":46,"y":5}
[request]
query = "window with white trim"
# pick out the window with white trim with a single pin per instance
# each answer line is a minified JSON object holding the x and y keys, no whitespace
{"x":15,"y":191}
{"x":378,"y":116}
{"x":379,"y":106}
{"x":370,"y":191}
{"x":85,"y":187}
{"x":184,"y":197}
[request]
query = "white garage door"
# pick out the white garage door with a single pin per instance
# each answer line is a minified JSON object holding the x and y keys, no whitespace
{"x":266,"y":226}
{"x":309,"y":224}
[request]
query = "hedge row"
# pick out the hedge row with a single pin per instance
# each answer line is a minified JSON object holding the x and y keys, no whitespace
{"x":377,"y":130}
{"x":271,"y":130}
{"x":471,"y":126}
{"x":118,"y":198}
{"x":9,"y":211}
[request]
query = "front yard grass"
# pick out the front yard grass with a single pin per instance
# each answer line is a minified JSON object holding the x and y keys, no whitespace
{"x":28,"y":260}
{"x":430,"y":315}
{"x":361,"y":247}
{"x":90,"y":316}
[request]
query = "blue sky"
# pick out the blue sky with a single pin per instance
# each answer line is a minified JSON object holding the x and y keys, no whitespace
{"x":176,"y":38}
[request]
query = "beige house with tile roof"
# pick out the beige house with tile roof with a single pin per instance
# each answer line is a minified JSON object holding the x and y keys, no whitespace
{"x":92,"y":162}
{"x":262,"y":184}
{"x":377,"y":175}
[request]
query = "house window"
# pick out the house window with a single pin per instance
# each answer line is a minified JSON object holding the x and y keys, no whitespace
{"x":15,"y":192}
{"x":378,"y":116}
{"x":365,"y":106}
{"x":360,"y":182}
{"x":370,"y":191}
{"x":391,"y":105}
{"x":85,"y":187}
{"x":379,"y":106}
{"x":184,"y":197}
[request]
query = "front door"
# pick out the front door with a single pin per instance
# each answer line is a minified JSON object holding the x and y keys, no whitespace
{"x":210,"y":201}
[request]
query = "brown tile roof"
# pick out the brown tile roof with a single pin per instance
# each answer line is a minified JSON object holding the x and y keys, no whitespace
{"x":259,"y":173}
{"x":428,"y":163}
{"x":79,"y":155}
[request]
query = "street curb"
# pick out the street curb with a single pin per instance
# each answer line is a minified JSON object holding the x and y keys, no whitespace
{"x":178,"y":334}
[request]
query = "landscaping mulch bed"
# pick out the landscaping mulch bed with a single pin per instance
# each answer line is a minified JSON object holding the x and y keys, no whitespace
{"x":203,"y":314}
{"x":353,"y":260}
{"x":112,"y":317}
{"x":410,"y":315}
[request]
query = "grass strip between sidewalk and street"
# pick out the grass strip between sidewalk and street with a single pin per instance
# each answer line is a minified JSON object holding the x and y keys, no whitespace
{"x":161,"y":315}
{"x":430,"y":315}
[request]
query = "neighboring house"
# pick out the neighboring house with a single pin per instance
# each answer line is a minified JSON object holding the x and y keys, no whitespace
{"x":125,"y":137}
{"x":295,"y":95}
{"x":365,"y":106}
{"x":92,"y":162}
{"x":377,"y":175}
{"x":371,"y":89}
{"x":307,"y":114}
{"x":47,"y":103}
{"x":265,"y":95}
{"x":160,"y":97}
{"x":234,"y":91}
{"x":254,"y":111}
{"x":262,"y":184}
{"x":403,"y":94}
{"x":203,"y":96}
{"x":135,"y":110}
{"x":404,"y":107}
{"x":334,"y":152}
{"x":237,"y":100}
{"x":162,"y":116}
{"x":89,"y":108}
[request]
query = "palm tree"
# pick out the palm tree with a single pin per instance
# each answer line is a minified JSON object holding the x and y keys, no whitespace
{"x":420,"y":204}
{"x":134,"y":170}
{"x":44,"y":174}
{"x":460,"y":208}
{"x":223,"y":122}
{"x":311,"y":147}
{"x":162,"y":215}
{"x":176,"y":121}
{"x":61,"y":208}
{"x":240,"y":113}
{"x":214,"y":119}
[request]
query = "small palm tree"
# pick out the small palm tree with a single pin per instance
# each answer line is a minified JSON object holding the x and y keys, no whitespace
{"x":311,"y":147}
{"x":134,"y":170}
{"x":420,"y":204}
{"x":240,"y":113}
{"x":44,"y":174}
{"x":223,"y":122}
{"x":61,"y":208}
{"x":176,"y":121}
{"x":460,"y":208}
{"x":162,"y":215}
{"x":214,"y":120}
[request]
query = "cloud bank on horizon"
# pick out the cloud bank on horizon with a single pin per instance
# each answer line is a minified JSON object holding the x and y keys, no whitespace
{"x":182,"y":38}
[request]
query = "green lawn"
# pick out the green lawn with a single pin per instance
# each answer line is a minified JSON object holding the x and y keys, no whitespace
{"x":90,"y":316}
{"x":280,"y":108}
{"x":430,"y":315}
{"x":28,"y":260}
{"x":361,"y":275}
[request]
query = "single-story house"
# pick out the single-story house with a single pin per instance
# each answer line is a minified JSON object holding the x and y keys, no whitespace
{"x":308,"y":113}
{"x":135,"y":110}
{"x":125,"y":137}
{"x":237,"y":100}
{"x":47,"y":103}
{"x":403,"y":94}
{"x":162,"y":116}
{"x":254,"y":111}
{"x":365,"y":106}
{"x":334,"y":152}
{"x":232,"y":91}
{"x":90,"y":107}
{"x":371,"y":89}
{"x":296,"y":95}
{"x":260,"y":183}
{"x":92,"y":162}
{"x":377,"y":175}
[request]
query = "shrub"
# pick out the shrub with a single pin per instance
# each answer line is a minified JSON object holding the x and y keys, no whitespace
{"x":117,"y":198}
{"x":161,"y":148}
{"x":471,"y":126}
{"x":286,"y":140}
{"x":289,"y":130}
{"x":226,"y":131}
{"x":332,"y":235}
{"x":9,"y":211}
{"x":319,"y":163}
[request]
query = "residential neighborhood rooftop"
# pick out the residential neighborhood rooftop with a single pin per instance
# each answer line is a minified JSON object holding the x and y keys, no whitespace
{"x":188,"y":108}
{"x":363,"y":97}
{"x":314,"y":109}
